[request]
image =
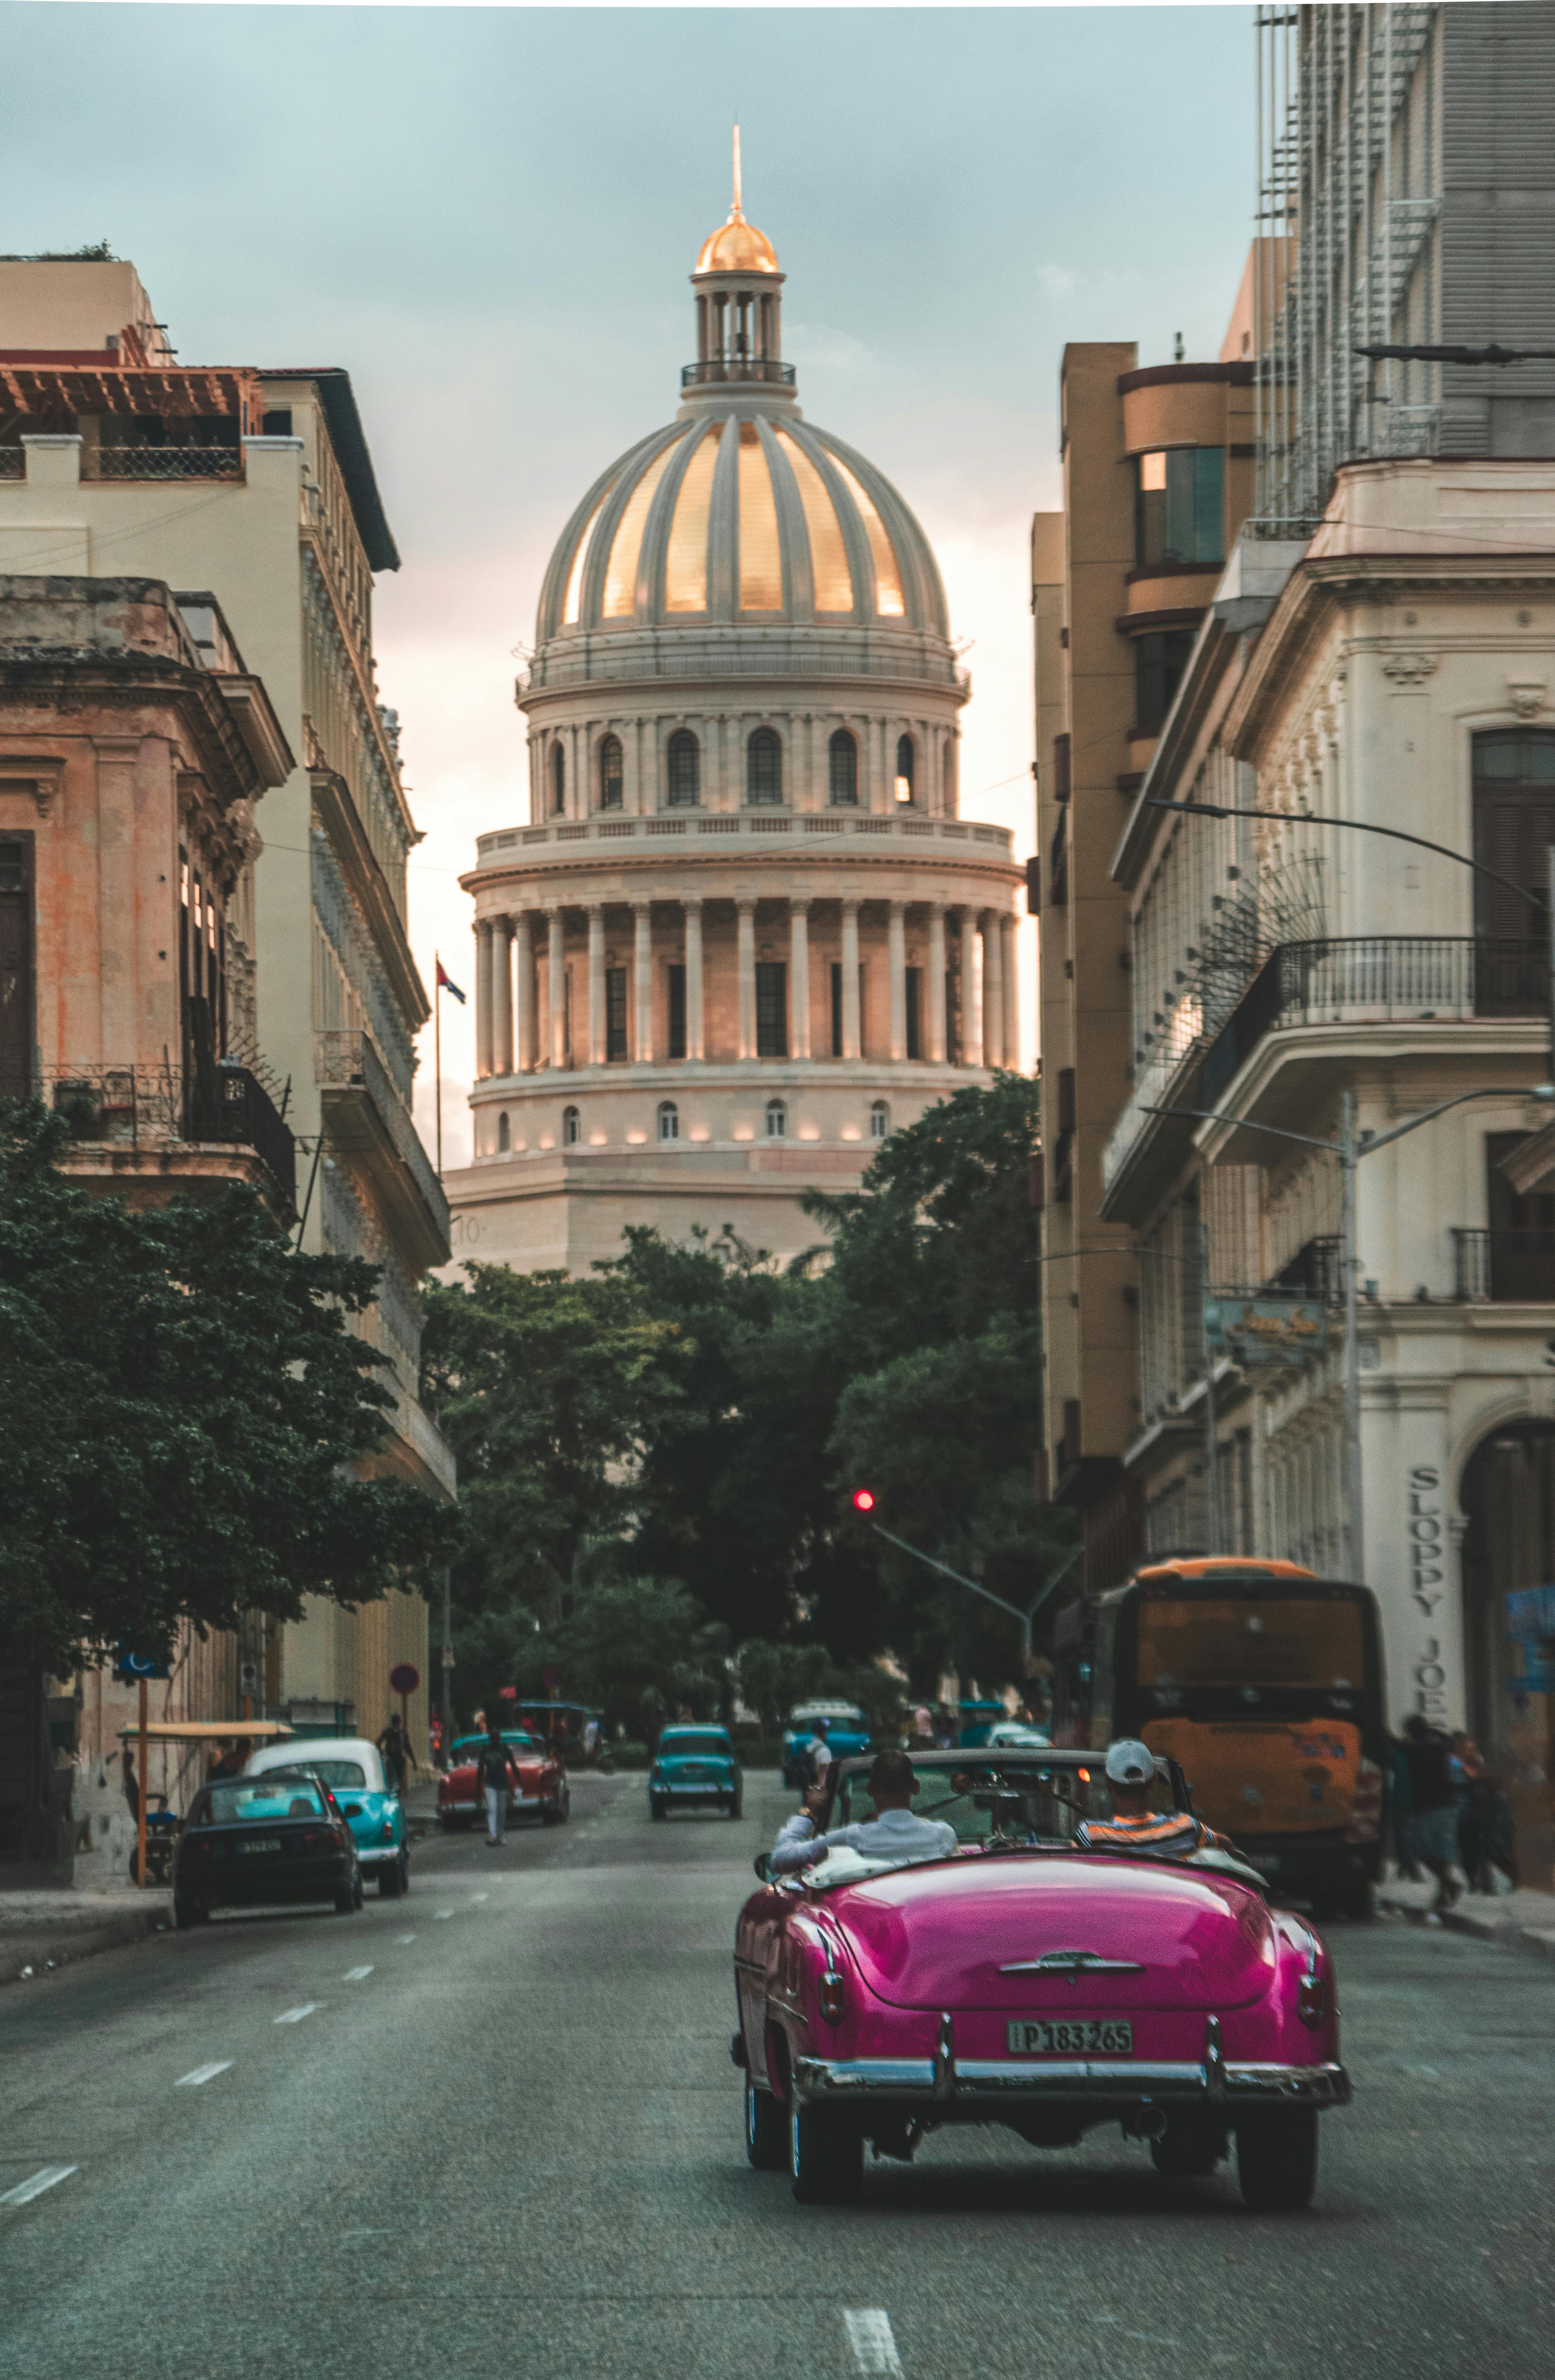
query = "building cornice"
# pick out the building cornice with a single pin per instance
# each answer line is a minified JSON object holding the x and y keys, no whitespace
{"x":347,"y":838}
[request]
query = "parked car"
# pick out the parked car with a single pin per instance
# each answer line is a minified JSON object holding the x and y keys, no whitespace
{"x":574,"y":1729}
{"x":1017,"y":1979}
{"x":693,"y":1765}
{"x":847,"y":1733}
{"x":369,"y":1799}
{"x":252,"y":1842}
{"x":542,"y":1790}
{"x":1018,"y":1734}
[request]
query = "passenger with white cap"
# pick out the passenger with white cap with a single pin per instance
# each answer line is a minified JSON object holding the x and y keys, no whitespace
{"x":1134,"y":1826}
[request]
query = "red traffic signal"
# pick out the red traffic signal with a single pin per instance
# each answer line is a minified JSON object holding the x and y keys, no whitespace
{"x":863,"y":1499}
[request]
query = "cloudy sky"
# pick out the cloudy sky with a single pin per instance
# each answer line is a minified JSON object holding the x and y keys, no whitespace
{"x":488,"y":215}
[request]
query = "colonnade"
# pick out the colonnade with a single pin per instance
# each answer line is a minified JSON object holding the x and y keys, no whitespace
{"x":512,"y":1038}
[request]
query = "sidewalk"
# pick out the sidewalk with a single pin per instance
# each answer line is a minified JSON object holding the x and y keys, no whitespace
{"x":39,"y":1930}
{"x":1524,"y":1921}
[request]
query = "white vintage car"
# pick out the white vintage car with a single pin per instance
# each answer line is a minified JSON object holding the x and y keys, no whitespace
{"x":370,"y":1802}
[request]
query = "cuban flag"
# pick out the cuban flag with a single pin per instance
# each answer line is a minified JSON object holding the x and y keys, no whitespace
{"x":447,"y":983}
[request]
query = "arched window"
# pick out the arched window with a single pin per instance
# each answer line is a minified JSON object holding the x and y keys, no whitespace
{"x":880,"y":1120}
{"x":571,"y":1126}
{"x":843,"y":755}
{"x":609,"y":773}
{"x":777,"y":1120}
{"x":669,"y":1120}
{"x":905,"y":771}
{"x":684,"y":758}
{"x":558,"y":781}
{"x":505,"y":1139}
{"x":763,"y":769}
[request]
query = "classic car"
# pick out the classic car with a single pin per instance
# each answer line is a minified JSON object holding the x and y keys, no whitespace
{"x":694,"y":1764}
{"x":543,"y":1782}
{"x":847,"y":1733}
{"x":1021,"y":1980}
{"x":575,"y":1729}
{"x":366,"y":1793}
{"x":263,"y":1842}
{"x":1017,"y":1735}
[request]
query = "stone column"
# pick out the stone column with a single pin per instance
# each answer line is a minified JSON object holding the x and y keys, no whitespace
{"x":484,"y":997}
{"x":557,"y":988}
{"x":1009,"y":946}
{"x":799,"y":979}
{"x":971,"y":1006}
{"x":642,"y":983}
{"x":993,"y":989}
{"x":898,"y":953}
{"x":524,"y":970}
{"x":850,"y":980}
{"x":936,"y":1049}
{"x":596,"y":985}
{"x":694,"y":1038}
{"x":747,"y":969}
{"x":502,"y":997}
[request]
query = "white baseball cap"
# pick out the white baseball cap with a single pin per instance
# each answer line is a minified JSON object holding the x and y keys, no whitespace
{"x":1129,"y":1762}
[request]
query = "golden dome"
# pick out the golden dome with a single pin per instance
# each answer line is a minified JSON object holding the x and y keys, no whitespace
{"x":737,"y":247}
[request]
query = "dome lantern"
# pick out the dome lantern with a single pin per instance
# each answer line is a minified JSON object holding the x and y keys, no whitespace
{"x":739,"y":309}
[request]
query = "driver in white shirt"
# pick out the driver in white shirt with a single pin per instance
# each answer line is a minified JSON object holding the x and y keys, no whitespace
{"x":895,"y":1835}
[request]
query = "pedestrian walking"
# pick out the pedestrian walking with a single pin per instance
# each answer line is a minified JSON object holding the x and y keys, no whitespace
{"x":1399,"y":1811}
{"x":496,"y":1774}
{"x":395,"y":1745}
{"x":1433,"y":1826}
{"x":818,"y":1752}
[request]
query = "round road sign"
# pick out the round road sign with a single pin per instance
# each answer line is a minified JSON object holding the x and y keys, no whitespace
{"x":405,"y":1678}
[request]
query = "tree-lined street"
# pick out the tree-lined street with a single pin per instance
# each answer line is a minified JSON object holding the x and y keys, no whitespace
{"x":494,"y":2126}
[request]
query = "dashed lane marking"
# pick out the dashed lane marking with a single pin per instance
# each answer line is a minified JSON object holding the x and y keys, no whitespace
{"x":481,"y":1896}
{"x":874,"y":2347}
{"x":35,"y":2185}
{"x":295,"y":2016}
{"x":356,"y":1975}
{"x":442,"y":1912}
{"x":204,"y":2074}
{"x":404,"y":1937}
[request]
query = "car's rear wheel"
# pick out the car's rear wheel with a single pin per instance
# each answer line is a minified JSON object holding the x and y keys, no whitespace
{"x":1277,"y":2158}
{"x":766,"y":2130}
{"x":187,"y":1912}
{"x":1353,"y":1898}
{"x":655,"y":1807}
{"x":737,"y":1808}
{"x":1186,"y":2149}
{"x":826,"y":2158}
{"x":392,"y":1879}
{"x":344,"y":1903}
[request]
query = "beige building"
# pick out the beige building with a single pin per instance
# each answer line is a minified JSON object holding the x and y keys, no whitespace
{"x":740,"y":929}
{"x":256,"y":489}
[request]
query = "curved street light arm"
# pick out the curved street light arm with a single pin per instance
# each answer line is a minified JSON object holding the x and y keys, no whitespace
{"x":1357,"y":826}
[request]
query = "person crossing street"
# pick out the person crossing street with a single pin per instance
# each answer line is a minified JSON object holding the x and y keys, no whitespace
{"x":497,"y":1774}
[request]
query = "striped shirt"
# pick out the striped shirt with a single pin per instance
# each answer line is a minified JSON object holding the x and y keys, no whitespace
{"x":1174,"y":1833}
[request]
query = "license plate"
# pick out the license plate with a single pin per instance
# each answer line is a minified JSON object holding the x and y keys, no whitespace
{"x":1079,"y":2038}
{"x":262,"y":1843}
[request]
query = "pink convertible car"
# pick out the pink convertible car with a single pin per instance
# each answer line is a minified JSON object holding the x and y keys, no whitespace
{"x":1019,"y":1980}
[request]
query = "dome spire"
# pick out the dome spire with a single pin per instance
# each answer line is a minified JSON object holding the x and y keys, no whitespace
{"x":736,"y":216}
{"x":737,"y":280}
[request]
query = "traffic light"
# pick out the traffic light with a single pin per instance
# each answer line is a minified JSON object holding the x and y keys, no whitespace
{"x":863,"y":1499}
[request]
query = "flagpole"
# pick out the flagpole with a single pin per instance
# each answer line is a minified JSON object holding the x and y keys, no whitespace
{"x":437,"y":1060}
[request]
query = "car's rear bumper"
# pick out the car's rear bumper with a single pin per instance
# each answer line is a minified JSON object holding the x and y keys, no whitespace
{"x":696,"y":1792}
{"x":378,"y":1855}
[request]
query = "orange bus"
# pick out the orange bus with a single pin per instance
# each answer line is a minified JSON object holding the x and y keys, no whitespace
{"x":1264,"y":1681}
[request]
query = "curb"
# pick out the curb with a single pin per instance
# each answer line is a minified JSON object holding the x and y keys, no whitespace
{"x":47,"y":1949}
{"x":1536,"y":1940}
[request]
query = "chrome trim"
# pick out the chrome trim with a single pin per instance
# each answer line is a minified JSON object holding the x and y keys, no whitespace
{"x":1073,"y":1963}
{"x":1214,"y":2061}
{"x":1106,"y":2080}
{"x":944,"y":2058}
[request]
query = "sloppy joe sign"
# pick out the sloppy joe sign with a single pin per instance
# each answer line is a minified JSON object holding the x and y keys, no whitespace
{"x":1428,"y":1577}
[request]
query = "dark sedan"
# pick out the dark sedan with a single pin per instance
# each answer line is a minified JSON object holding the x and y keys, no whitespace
{"x":252,"y":1842}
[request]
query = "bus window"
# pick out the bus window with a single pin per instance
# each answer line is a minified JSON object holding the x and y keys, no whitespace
{"x":1267,"y":1645}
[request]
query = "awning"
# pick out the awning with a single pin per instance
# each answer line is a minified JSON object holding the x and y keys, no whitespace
{"x":207,"y":1730}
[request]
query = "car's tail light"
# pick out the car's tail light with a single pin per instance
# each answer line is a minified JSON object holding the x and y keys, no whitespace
{"x":833,"y":1997}
{"x":1365,"y":1810}
{"x":388,"y":1830}
{"x":1312,"y":1999}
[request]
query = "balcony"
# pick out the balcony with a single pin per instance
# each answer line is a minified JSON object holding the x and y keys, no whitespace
{"x":1393,"y":978}
{"x":367,"y":1125}
{"x":1314,"y":1271}
{"x":743,"y":826}
{"x":714,"y":372}
{"x":162,"y":463}
{"x":158,"y":1124}
{"x":1504,"y":1267}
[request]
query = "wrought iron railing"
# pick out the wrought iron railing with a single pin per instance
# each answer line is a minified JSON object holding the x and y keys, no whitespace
{"x":13,"y":462}
{"x":349,"y":1060}
{"x":712,"y":371}
{"x":1504,"y":1267}
{"x":162,"y":1107}
{"x":162,"y":463}
{"x":1315,"y":1269}
{"x":1378,"y":978}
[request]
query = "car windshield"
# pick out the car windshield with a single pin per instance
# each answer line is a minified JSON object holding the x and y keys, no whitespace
{"x":248,"y":1798}
{"x":1012,"y":1802}
{"x":681,"y":1741}
{"x":471,"y":1747}
{"x":349,"y":1773}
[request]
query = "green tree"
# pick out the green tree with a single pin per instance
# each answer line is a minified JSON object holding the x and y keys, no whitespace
{"x":181,"y":1404}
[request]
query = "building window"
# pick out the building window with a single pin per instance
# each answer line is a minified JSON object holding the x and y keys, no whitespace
{"x":278,"y":424}
{"x":763,"y":769}
{"x":571,"y":1127}
{"x":1159,"y":664}
{"x":905,"y":771}
{"x":669,"y":1120}
{"x":844,"y":758}
{"x":1179,"y":506}
{"x":558,"y":781}
{"x":777,"y":1120}
{"x":615,"y":1014}
{"x":611,"y":773}
{"x":771,"y":1009}
{"x":684,"y":763}
{"x":914,"y":1012}
{"x":880,"y":1120}
{"x":1514,"y":826}
{"x":677,"y":1012}
{"x":504,"y":1138}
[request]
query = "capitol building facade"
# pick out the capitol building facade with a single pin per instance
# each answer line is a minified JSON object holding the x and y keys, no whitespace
{"x":741,"y":932}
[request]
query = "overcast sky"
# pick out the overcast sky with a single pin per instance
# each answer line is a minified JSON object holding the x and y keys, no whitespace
{"x":488,"y":216}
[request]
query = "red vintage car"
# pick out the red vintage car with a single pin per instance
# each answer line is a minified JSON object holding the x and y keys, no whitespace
{"x":543,"y":1782}
{"x":1021,"y":1980}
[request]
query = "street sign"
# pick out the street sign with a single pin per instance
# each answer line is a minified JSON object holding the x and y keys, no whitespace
{"x":405,"y":1678}
{"x":507,"y":1693}
{"x":128,"y":1666}
{"x":248,"y":1676}
{"x":1268,"y":1330}
{"x":551,"y":1679}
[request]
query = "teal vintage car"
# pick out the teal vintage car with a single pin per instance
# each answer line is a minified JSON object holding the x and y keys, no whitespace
{"x":366,"y":1797}
{"x":694,"y":1765}
{"x":847,"y":1737}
